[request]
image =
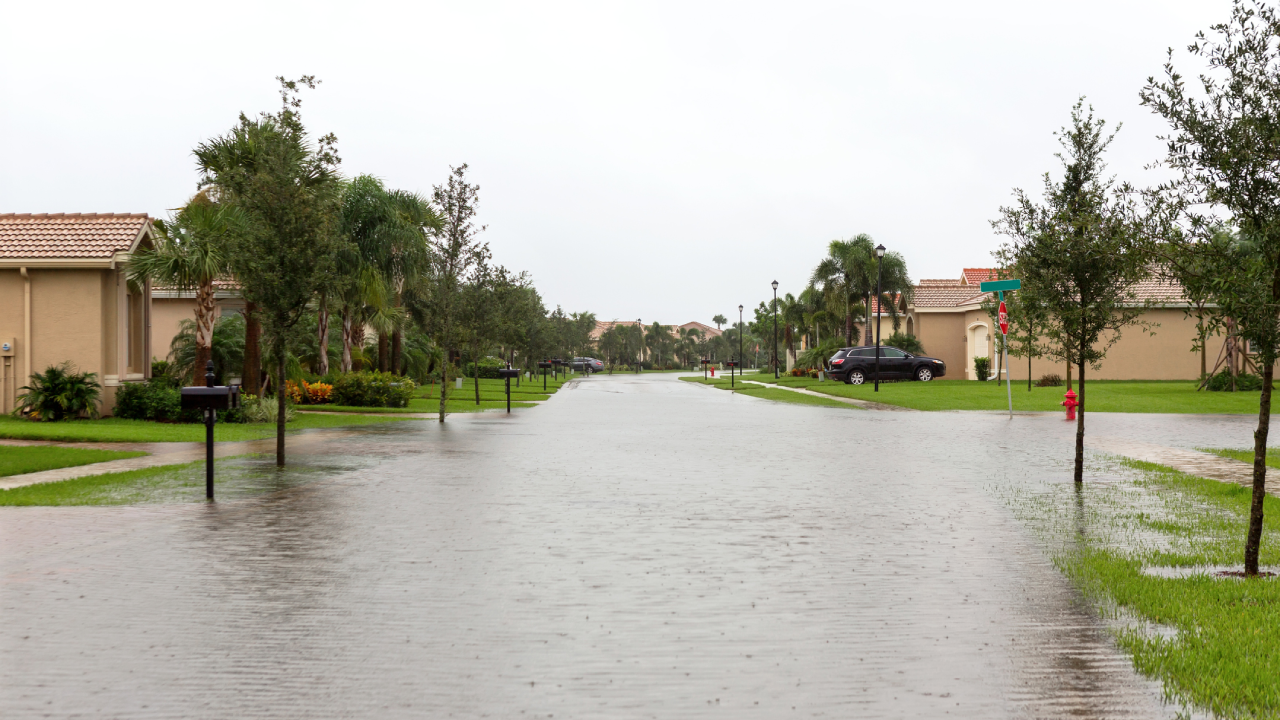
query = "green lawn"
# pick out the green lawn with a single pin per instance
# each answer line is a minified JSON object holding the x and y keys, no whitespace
{"x":116,"y":430}
{"x":20,"y":460}
{"x":1103,"y":396}
{"x":1223,"y":651}
{"x":1246,"y":456}
{"x":432,"y":405}
{"x":768,"y":393}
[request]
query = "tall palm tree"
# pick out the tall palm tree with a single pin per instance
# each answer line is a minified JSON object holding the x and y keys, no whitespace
{"x":719,"y":320}
{"x":192,"y":252}
{"x":843,"y":274}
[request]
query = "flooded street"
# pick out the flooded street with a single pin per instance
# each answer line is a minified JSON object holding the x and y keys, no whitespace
{"x":636,"y":547}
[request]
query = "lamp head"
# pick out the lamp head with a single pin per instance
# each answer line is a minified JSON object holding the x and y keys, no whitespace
{"x":775,"y":285}
{"x":879,"y":251}
{"x":739,"y":308}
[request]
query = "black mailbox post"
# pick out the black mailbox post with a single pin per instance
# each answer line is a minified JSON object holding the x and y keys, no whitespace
{"x":544,"y":366}
{"x":556,"y":362}
{"x":210,"y":398}
{"x":731,"y":365}
{"x":508,"y":373}
{"x":705,"y":363}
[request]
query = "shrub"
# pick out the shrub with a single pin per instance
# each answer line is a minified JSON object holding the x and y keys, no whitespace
{"x":982,"y":368}
{"x":905,"y":343}
{"x":153,"y":400}
{"x":374,"y":389}
{"x":1244,"y":381}
{"x":1050,"y":380}
{"x":60,"y":392}
{"x":489,"y":367}
{"x":293,"y":391}
{"x":263,"y":410}
{"x":318,"y":393}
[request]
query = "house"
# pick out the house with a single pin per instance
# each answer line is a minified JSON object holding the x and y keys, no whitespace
{"x":170,"y":306}
{"x":64,"y":296}
{"x":948,"y":318}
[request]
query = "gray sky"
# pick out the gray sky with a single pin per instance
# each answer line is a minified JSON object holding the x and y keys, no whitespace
{"x":655,"y":160}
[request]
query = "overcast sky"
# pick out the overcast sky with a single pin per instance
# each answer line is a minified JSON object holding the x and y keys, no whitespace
{"x":664,"y":161}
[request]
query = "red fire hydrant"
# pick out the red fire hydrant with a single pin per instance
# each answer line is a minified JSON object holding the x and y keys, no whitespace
{"x":1070,"y":403}
{"x":713,"y":371}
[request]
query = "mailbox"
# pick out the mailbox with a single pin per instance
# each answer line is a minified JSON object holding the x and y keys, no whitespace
{"x":731,"y":363}
{"x":218,"y":397}
{"x":705,"y":361}
{"x":557,"y":361}
{"x":508,"y":373}
{"x":544,"y":366}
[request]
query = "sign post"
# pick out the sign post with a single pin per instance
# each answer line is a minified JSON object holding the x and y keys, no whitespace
{"x":1000,"y":286}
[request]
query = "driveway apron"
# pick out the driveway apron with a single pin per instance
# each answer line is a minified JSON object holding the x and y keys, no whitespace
{"x":634,"y":547}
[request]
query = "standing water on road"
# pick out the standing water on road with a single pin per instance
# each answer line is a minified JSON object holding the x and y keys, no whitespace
{"x":634,"y":547}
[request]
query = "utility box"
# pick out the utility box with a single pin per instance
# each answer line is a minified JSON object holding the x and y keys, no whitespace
{"x":218,"y":397}
{"x":6,"y":348}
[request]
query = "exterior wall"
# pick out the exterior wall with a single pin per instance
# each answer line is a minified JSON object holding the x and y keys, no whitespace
{"x":942,"y":335}
{"x":166,"y":314}
{"x":12,"y":372}
{"x":1164,"y":355}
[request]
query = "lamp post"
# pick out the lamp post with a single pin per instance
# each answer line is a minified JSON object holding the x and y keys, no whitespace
{"x":775,"y":329}
{"x":640,"y":351}
{"x":739,"y":336}
{"x":879,"y":256}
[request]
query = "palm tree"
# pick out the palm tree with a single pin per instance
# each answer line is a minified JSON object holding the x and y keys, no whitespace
{"x":192,"y":253}
{"x":719,"y":320}
{"x":843,"y":275}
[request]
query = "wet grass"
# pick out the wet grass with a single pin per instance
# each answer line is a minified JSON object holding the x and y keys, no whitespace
{"x":235,"y":478}
{"x":432,"y":405}
{"x":496,"y":388}
{"x":1246,"y":456}
{"x":768,"y":393}
{"x":1223,"y":653}
{"x":1103,"y":396}
{"x":22,"y":460}
{"x":117,"y":430}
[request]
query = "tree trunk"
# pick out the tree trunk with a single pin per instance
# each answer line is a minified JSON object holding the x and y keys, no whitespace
{"x":395,"y":352}
{"x":1079,"y":476}
{"x":869,"y":340}
{"x":280,"y":401}
{"x":1253,"y":541}
{"x":382,"y":352}
{"x":251,"y":374}
{"x":475,"y":368}
{"x":347,"y":338}
{"x":206,"y":306}
{"x":444,"y":381}
{"x":322,"y":337}
{"x":1068,"y":376}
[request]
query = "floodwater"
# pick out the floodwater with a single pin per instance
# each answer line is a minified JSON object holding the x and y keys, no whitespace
{"x":637,"y":547}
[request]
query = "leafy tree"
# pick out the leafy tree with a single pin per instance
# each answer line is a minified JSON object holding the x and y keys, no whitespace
{"x":226,"y":349}
{"x":1080,"y":253}
{"x":192,"y":252}
{"x":1222,"y":145}
{"x":456,"y":251}
{"x":1027,"y":319}
{"x":842,"y":275}
{"x":288,"y":187}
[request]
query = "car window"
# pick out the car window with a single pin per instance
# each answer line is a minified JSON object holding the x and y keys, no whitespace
{"x":864,"y":352}
{"x":891,"y":352}
{"x":839,"y":354}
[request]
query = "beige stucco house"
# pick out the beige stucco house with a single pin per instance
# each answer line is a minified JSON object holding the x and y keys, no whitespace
{"x":170,"y":306}
{"x":64,"y":296}
{"x":947,"y":316}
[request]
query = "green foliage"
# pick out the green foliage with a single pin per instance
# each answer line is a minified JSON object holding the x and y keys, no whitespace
{"x":906,"y":343}
{"x":258,"y":411}
{"x":227,"y":350}
{"x":982,"y":368}
{"x":1050,"y":380}
{"x":488,"y":367}
{"x":148,"y":401}
{"x":60,"y":392}
{"x":1244,"y":382}
{"x":373,"y":389}
{"x":162,"y":372}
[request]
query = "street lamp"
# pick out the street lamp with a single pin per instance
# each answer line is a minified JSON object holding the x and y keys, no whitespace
{"x":739,"y":337}
{"x":775,"y":329}
{"x":640,"y":352}
{"x":879,"y":257}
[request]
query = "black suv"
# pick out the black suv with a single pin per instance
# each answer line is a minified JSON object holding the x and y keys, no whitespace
{"x":858,"y":365}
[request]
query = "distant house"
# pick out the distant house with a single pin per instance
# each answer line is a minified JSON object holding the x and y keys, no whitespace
{"x":170,"y":306}
{"x":64,"y":296}
{"x":947,"y":316}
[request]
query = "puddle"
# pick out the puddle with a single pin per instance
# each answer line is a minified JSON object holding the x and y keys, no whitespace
{"x":1217,"y":572}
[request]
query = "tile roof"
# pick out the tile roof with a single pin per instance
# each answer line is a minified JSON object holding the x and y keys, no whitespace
{"x":939,"y":282}
{"x":68,"y":235}
{"x":973,"y":276}
{"x":944,"y":296}
{"x":1161,"y":290}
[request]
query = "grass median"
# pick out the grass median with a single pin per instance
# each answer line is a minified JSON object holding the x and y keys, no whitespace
{"x":117,"y":430}
{"x":37,"y":458}
{"x":1123,"y":396}
{"x":769,"y":393}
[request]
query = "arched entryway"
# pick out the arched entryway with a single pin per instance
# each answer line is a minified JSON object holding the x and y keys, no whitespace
{"x":978,"y":345}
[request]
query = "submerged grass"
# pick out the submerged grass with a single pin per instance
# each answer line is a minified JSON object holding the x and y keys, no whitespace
{"x":1224,"y":653}
{"x":37,"y":458}
{"x":768,"y":393}
{"x":117,"y":430}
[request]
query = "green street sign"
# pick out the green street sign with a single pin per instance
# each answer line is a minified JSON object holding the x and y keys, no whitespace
{"x":1001,"y":285}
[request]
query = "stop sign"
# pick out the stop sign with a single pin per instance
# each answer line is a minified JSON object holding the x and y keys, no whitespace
{"x":1004,"y":319}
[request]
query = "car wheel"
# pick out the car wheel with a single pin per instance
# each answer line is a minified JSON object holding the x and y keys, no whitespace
{"x":924,"y":374}
{"x":855,"y":377}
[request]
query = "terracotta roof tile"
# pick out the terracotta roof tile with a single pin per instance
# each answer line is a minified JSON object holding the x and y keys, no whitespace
{"x":939,"y":282}
{"x":68,"y":235}
{"x":973,"y":276}
{"x":943,"y":295}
